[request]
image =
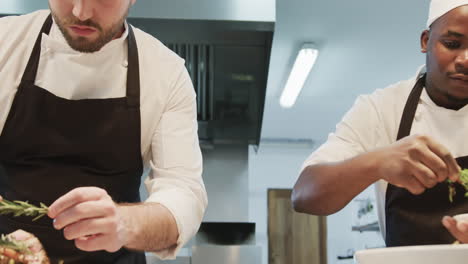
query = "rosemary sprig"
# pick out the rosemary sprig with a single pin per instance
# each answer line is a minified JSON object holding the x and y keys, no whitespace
{"x":20,"y":208}
{"x":463,"y":181}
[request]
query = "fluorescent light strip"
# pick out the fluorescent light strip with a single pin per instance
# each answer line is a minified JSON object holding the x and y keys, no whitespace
{"x":302,"y":66}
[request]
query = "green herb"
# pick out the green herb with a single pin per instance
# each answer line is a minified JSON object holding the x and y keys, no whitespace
{"x":8,"y":242}
{"x":20,"y":208}
{"x":463,"y":180}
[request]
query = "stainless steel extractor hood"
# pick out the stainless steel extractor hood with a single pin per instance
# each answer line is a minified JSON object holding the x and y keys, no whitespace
{"x":233,"y":10}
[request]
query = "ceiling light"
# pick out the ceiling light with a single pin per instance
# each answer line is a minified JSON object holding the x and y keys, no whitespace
{"x":305,"y":60}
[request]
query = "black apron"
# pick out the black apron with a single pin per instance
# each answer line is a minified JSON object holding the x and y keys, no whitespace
{"x":416,"y":219}
{"x":50,"y":145}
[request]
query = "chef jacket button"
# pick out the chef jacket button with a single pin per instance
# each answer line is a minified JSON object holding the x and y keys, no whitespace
{"x":125,"y":64}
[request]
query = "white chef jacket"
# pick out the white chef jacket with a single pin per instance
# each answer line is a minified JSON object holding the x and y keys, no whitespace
{"x":373,"y":122}
{"x":169,"y":140}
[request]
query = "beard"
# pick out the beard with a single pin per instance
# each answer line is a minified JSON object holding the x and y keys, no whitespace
{"x":83,"y":44}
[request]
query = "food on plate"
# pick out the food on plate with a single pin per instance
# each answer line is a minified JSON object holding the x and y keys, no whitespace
{"x":21,"y":247}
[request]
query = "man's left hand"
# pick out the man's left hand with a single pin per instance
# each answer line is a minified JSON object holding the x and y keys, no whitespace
{"x":88,"y":216}
{"x":459,"y":230}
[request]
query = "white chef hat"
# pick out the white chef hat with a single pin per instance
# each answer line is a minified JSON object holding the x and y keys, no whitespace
{"x":439,"y":8}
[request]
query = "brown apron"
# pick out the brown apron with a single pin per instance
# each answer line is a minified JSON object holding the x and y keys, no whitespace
{"x":416,"y":219}
{"x":50,"y":145}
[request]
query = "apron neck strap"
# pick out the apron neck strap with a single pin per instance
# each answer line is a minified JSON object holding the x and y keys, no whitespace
{"x":33,"y":63}
{"x":410,"y":108}
{"x":133,"y":75}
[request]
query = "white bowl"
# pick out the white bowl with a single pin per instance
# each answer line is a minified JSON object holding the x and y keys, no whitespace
{"x":431,"y":254}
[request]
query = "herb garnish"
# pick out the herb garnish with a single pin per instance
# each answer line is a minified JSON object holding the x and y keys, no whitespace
{"x":463,"y":180}
{"x":20,"y":208}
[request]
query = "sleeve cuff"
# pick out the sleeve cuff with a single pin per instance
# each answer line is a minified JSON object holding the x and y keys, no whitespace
{"x":187,"y":225}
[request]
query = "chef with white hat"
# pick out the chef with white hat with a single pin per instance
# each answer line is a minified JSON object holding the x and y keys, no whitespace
{"x":409,"y":139}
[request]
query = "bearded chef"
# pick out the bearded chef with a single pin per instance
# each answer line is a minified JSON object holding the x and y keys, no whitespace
{"x":87,"y":104}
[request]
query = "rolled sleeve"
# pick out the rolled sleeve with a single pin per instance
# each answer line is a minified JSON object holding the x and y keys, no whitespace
{"x":175,"y":180}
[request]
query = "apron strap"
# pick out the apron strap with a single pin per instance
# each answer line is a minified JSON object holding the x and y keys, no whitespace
{"x":410,"y":108}
{"x":30,"y":72}
{"x":133,"y":75}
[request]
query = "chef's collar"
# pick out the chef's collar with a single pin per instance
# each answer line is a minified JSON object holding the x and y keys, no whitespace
{"x":432,"y":105}
{"x":420,"y":72}
{"x":428,"y":101}
{"x":57,"y":42}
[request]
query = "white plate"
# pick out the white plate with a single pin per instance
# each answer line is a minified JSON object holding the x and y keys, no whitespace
{"x":433,"y":254}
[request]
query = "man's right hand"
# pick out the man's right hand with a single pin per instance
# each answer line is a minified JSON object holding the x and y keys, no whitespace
{"x":416,"y":163}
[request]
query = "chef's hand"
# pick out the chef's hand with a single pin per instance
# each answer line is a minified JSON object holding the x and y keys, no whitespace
{"x":416,"y":163}
{"x":459,"y":230}
{"x":88,"y":216}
